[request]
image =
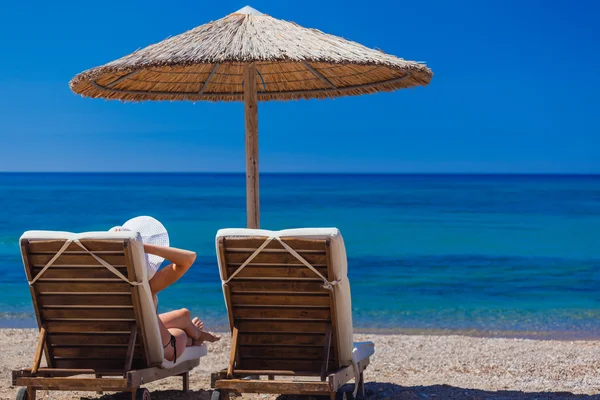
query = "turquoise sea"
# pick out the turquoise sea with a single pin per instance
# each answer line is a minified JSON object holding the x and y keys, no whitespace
{"x":509,"y":255}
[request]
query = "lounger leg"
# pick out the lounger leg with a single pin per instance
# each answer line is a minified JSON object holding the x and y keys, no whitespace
{"x":333,"y":396}
{"x":361,"y":385}
{"x":133,"y":393}
{"x":30,"y":393}
{"x":224,"y":395}
{"x":99,"y":391}
{"x":186,"y":381}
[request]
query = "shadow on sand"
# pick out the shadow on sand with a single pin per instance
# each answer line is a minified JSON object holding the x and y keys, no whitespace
{"x":390,"y":391}
{"x":383,"y":391}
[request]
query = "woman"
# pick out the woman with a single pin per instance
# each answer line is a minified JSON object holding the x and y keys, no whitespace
{"x":177,"y":329}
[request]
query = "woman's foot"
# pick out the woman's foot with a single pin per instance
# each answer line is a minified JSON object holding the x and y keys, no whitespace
{"x":199,"y":324}
{"x":210,"y":337}
{"x":202,"y":336}
{"x":205,"y":337}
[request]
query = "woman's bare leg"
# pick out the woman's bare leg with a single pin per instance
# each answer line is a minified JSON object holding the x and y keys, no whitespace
{"x":181,"y":319}
{"x":181,"y":340}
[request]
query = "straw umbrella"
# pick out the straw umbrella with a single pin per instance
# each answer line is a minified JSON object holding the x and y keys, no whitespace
{"x":249,"y":56}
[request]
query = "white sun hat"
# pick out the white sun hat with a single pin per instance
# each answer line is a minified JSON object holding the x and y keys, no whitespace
{"x":151,"y":232}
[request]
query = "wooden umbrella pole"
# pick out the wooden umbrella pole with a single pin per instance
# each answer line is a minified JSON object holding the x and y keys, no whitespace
{"x":251,"y":114}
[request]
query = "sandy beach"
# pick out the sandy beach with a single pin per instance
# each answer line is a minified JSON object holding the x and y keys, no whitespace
{"x":404,"y":367}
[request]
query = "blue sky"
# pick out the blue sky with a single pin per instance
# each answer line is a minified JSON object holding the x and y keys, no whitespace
{"x":516,"y":89}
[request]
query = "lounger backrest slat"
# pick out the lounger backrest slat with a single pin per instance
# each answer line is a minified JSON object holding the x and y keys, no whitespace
{"x":279,"y":306}
{"x":87,"y":311}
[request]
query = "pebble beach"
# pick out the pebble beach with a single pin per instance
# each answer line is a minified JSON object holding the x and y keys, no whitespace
{"x":403,"y":367}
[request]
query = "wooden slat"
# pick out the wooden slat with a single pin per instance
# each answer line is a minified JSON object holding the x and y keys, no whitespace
{"x":275,"y":258}
{"x":147,"y":375}
{"x":96,"y":300}
{"x":287,"y":352}
{"x":56,"y":372}
{"x":253,"y":243}
{"x":282,"y":326}
{"x":117,"y":352}
{"x":74,"y":383}
{"x":285,"y":364}
{"x":248,"y":372}
{"x":264,"y":271}
{"x":79,"y":326}
{"x":251,"y":250}
{"x":276,"y":286}
{"x":88,"y":313}
{"x":87,"y":287}
{"x":282,"y":339}
{"x":275,"y":299}
{"x":281,"y":312}
{"x":40,"y":260}
{"x":81,"y":273}
{"x":96,"y":364}
{"x":99,"y":340}
{"x":53,"y":246}
{"x":277,"y":387}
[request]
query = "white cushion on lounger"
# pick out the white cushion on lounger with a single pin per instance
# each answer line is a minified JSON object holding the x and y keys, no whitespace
{"x":190,"y":353}
{"x":362,"y":350}
{"x":150,"y":328}
{"x":343,"y":302}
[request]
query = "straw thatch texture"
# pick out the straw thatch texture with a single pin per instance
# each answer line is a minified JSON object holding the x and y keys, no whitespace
{"x":292,"y":62}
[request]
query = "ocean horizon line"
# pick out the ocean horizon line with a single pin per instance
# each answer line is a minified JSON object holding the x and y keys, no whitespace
{"x":297,"y":173}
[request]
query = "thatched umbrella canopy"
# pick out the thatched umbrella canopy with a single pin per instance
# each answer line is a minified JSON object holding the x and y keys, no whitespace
{"x":249,"y":56}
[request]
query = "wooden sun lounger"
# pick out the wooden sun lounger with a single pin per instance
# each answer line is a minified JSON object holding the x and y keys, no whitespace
{"x":283,"y":321}
{"x":91,"y":322}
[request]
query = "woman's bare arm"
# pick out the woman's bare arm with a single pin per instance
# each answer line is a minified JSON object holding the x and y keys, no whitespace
{"x":181,"y":261}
